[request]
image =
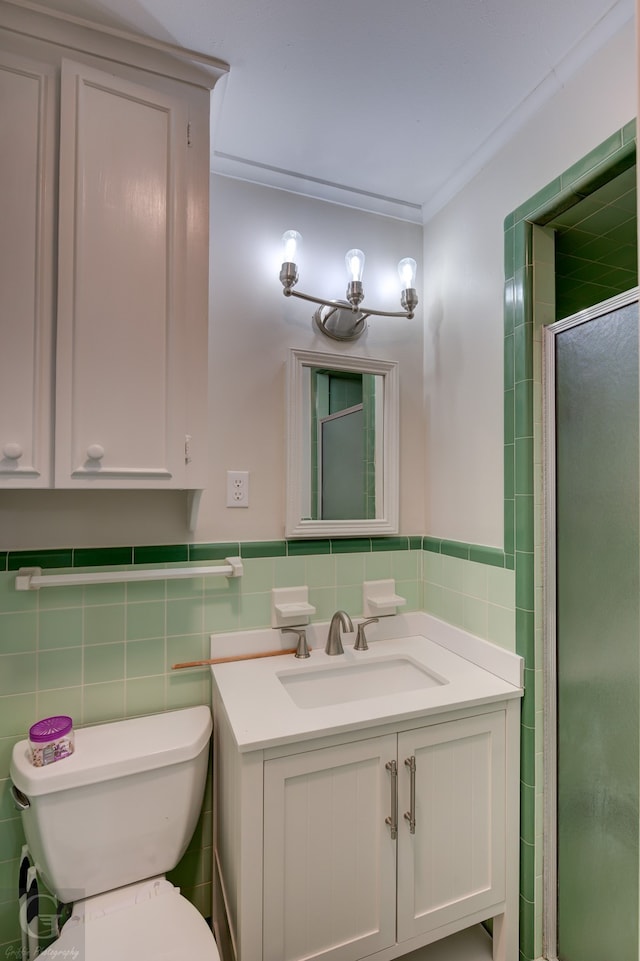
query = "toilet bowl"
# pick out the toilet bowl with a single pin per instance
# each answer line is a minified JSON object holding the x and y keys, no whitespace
{"x":148,"y":920}
{"x":105,"y":824}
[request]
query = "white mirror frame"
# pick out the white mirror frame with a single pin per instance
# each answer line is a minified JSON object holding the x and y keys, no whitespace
{"x":297,"y":411}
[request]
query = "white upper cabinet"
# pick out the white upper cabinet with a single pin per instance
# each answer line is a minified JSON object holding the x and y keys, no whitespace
{"x":103,"y":325}
{"x":120,"y":402}
{"x":26,"y":270}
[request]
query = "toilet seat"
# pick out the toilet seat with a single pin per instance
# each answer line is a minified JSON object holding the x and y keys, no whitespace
{"x":147,"y":921}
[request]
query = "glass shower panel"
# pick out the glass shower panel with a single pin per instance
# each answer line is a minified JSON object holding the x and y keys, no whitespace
{"x":598,"y":624}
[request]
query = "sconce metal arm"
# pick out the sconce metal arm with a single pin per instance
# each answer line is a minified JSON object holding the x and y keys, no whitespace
{"x":342,"y":305}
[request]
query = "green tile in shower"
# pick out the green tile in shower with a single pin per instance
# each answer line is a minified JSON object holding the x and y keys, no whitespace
{"x":585,"y":168}
{"x":509,"y":305}
{"x":527,"y":870}
{"x":509,"y":361}
{"x":523,"y":462}
{"x":523,"y":355}
{"x":524,"y":580}
{"x":525,"y":534}
{"x":523,"y":423}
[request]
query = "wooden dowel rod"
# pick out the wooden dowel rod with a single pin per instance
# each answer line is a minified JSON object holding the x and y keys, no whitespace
{"x":233,"y":657}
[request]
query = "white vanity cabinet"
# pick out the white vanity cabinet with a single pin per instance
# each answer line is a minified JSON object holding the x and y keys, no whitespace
{"x":104,"y":163}
{"x":310,"y":864}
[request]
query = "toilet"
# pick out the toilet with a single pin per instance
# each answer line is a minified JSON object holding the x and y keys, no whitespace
{"x":103,"y":827}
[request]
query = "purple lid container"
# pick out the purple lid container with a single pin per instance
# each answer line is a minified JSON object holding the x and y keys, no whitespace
{"x":50,"y":728}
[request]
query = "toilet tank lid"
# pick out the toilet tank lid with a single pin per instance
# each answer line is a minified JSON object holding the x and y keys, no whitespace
{"x":106,"y":751}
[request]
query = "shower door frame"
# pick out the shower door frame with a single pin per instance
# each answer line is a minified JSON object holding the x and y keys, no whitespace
{"x":550,"y":663}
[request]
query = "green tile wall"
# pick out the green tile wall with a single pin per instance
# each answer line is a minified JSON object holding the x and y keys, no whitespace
{"x":529,"y":303}
{"x":104,"y":652}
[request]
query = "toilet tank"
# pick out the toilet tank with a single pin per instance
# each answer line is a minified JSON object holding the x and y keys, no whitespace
{"x":122,"y":808}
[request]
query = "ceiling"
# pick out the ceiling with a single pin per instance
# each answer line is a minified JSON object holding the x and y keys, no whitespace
{"x":388,"y":105}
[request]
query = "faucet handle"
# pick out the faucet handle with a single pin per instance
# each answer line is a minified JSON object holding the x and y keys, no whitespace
{"x":303,"y":648}
{"x":361,"y":640}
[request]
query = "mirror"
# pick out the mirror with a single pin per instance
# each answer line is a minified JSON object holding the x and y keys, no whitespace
{"x":342,"y":458}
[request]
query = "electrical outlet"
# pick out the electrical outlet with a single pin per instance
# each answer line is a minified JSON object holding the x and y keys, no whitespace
{"x":237,"y":488}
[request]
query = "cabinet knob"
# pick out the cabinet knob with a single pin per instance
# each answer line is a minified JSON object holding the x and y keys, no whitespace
{"x":95,"y":452}
{"x":12,"y":451}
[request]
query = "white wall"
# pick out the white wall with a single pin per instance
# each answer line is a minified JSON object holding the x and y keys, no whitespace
{"x":252,"y":328}
{"x":463,"y":287}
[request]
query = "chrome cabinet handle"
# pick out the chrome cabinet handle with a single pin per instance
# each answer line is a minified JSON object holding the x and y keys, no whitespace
{"x":392,"y":821}
{"x":410,"y":815}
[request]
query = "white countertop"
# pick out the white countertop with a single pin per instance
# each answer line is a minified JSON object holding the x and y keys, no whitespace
{"x":262,"y":713}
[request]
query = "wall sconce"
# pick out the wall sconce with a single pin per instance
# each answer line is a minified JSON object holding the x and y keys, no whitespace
{"x":343,"y":319}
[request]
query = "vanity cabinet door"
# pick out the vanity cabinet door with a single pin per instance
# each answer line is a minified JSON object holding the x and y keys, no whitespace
{"x":120,"y":417}
{"x":27,"y":169}
{"x":454,"y":863}
{"x":329,"y":859}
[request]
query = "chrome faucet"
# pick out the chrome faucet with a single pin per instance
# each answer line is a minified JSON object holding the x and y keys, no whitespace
{"x":339,"y":621}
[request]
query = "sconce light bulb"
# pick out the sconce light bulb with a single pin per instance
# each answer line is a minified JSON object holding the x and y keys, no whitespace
{"x":407,"y":272}
{"x":354,"y":260}
{"x":291,"y":243}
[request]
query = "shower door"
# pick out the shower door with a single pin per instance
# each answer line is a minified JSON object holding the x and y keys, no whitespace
{"x":594,"y":357}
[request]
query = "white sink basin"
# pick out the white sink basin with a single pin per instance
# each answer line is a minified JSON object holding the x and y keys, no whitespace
{"x":323,"y":686}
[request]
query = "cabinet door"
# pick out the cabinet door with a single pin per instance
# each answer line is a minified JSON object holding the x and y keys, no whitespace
{"x":454,"y":863}
{"x":329,"y":860}
{"x":27,"y":172}
{"x":120,"y":417}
